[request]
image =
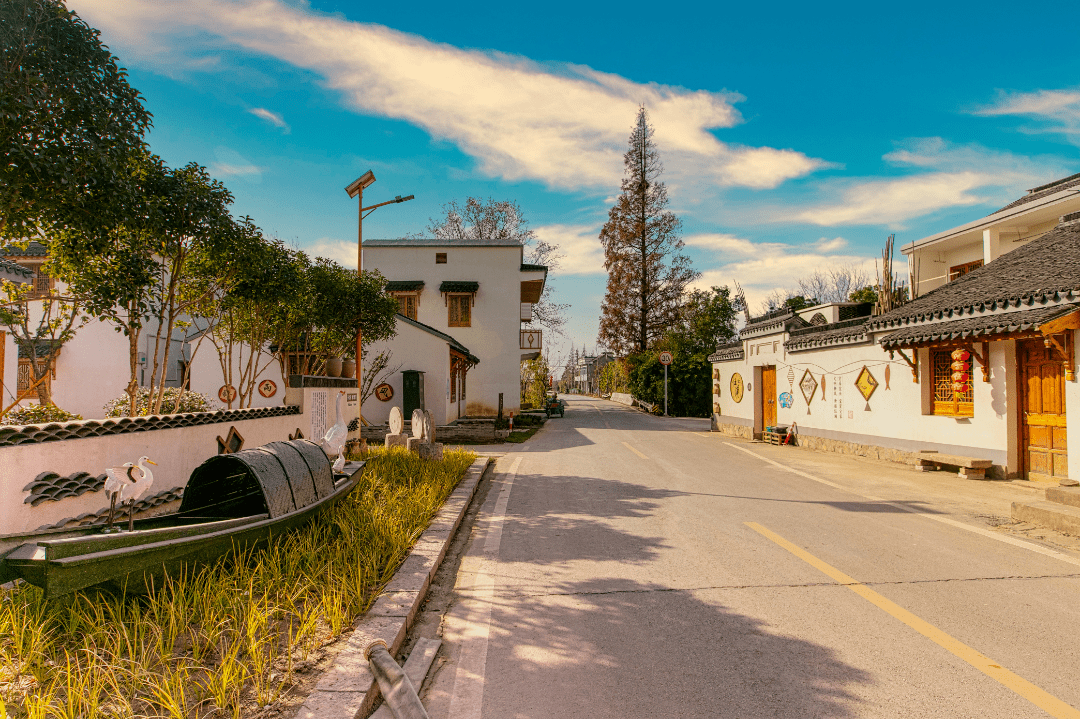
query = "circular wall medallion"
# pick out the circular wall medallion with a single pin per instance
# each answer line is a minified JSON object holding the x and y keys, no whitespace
{"x":384,"y":392}
{"x":268,"y":388}
{"x":736,"y":387}
{"x":227,"y":393}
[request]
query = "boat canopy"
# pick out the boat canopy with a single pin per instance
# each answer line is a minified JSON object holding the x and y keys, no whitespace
{"x":274,"y":479}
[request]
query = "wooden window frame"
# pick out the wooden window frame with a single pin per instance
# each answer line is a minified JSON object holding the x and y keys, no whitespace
{"x":455,"y":297}
{"x":29,"y":392}
{"x":958,"y":271}
{"x":416,"y":302}
{"x":440,"y":258}
{"x":37,"y":291}
{"x":940,"y":372}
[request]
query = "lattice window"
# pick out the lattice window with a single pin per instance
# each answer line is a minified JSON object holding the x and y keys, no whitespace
{"x":407,"y":304}
{"x":961,"y":270}
{"x":946,"y":401}
{"x":460,"y":310}
{"x":25,"y":379}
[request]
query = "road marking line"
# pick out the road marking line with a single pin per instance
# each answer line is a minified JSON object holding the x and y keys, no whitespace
{"x":468,"y":694}
{"x":634,"y":451}
{"x":1040,"y":698}
{"x":937,"y":518}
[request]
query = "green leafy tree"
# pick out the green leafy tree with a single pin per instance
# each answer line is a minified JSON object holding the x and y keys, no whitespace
{"x":68,"y":123}
{"x":534,"y":381}
{"x":614,"y":377}
{"x":647,"y":273}
{"x":707,"y":318}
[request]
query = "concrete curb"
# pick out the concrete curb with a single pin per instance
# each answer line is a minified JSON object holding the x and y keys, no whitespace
{"x":1059,"y":517}
{"x":348,"y":690}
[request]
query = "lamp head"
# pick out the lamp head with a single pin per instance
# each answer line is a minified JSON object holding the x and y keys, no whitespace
{"x":356,"y":186}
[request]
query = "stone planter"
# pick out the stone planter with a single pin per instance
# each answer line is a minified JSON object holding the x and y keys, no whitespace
{"x":348,"y":368}
{"x":333,"y":367}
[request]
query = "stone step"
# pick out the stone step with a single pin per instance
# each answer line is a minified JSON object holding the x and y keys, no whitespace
{"x":1064,"y":495}
{"x":1059,"y":517}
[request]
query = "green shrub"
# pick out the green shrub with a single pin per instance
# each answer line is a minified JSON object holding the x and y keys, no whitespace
{"x":189,"y":402}
{"x":38,"y":414}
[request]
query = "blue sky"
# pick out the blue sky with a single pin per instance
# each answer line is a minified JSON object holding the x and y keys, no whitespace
{"x":794,"y":135}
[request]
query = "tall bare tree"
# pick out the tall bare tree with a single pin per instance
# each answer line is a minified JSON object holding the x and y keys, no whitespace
{"x":647,"y":273}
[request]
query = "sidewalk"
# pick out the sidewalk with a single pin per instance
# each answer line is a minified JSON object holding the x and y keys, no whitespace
{"x":981,"y":503}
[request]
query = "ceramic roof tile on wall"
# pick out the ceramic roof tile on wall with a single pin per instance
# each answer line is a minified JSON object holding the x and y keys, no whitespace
{"x":14,"y":272}
{"x":727,"y":352}
{"x":974,"y":328}
{"x":1042,"y":272}
{"x":848,"y":332}
{"x":33,"y":249}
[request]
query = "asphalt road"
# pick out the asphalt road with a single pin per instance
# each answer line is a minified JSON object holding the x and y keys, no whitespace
{"x":629,"y":566}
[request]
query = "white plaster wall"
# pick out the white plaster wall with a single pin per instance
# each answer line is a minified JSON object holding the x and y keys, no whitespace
{"x":11,"y":370}
{"x":895,"y":413}
{"x":414,"y":349}
{"x":91,"y":370}
{"x":177,"y":452}
{"x":207,"y":376}
{"x":494,"y":335}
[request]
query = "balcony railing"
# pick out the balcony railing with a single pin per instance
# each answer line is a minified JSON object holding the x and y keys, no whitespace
{"x":531,"y":339}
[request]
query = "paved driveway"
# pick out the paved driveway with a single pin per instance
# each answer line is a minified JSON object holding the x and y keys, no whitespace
{"x":631,"y":566}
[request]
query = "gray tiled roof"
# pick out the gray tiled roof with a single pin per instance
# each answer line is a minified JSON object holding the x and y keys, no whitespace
{"x":14,"y":272}
{"x":404,"y":285}
{"x":1066,"y":183}
{"x":435,"y":242}
{"x":727,"y":352}
{"x":34,"y":249}
{"x":459,"y":286}
{"x":777,"y":320}
{"x":848,"y":332}
{"x":974,"y":327}
{"x":533,"y":268}
{"x":1043,"y":272}
{"x":441,"y":335}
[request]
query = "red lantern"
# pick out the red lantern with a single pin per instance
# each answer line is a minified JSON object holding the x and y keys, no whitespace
{"x":961,"y":354}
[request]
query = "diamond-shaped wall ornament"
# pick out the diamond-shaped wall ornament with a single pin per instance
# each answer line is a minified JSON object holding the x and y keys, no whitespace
{"x":866,"y":384}
{"x":808,"y":385}
{"x":233,"y":442}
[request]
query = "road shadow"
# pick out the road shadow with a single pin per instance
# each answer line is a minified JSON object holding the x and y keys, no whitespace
{"x":617,"y":648}
{"x":873,"y":506}
{"x":575,"y":518}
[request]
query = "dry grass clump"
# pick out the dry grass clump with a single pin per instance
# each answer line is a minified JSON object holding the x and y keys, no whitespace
{"x":223,"y":640}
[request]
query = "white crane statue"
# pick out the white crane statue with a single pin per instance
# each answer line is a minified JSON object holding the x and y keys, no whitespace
{"x":333,"y":442}
{"x":123,"y":486}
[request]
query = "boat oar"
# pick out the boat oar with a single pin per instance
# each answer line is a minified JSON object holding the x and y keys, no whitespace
{"x":398,"y":692}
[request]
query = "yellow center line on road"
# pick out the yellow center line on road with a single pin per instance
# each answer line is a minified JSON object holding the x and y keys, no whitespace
{"x":1040,"y":698}
{"x":634,"y":451}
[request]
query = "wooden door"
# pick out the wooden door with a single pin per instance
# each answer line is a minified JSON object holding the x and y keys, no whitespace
{"x":1042,"y":426}
{"x":768,"y":396}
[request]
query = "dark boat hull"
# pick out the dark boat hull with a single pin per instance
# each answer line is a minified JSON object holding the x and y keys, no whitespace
{"x":63,"y":565}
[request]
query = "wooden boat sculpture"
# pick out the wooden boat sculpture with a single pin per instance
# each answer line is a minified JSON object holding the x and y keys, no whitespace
{"x":231,"y":500}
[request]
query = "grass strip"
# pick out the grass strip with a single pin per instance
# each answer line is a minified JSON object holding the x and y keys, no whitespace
{"x":229,"y":639}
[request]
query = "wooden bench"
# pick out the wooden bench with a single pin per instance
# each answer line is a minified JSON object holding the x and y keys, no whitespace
{"x":970,"y":467}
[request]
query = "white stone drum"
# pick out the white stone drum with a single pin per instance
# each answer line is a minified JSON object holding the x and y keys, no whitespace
{"x":397,"y":420}
{"x":429,"y":435}
{"x":418,"y":422}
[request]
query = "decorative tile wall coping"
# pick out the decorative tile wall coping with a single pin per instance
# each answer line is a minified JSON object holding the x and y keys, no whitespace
{"x":56,"y":431}
{"x":306,"y":380}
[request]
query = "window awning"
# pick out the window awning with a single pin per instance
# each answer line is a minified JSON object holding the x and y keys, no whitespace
{"x":459,"y":286}
{"x":404,"y":285}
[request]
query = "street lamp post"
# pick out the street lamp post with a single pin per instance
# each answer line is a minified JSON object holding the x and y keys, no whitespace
{"x":356,"y":189}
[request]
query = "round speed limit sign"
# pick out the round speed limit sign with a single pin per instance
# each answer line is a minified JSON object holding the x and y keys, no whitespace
{"x":665,"y":357}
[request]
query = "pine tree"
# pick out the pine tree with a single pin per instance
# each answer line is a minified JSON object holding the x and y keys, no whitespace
{"x":647,"y":274}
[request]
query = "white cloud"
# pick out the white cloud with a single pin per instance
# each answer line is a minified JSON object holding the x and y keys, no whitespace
{"x":953,"y":176}
{"x":341,"y":251}
{"x":763,"y":267}
{"x":230,"y":163}
{"x":564,"y":125}
{"x":584,"y":255}
{"x":272,"y":117}
{"x":1058,"y":110}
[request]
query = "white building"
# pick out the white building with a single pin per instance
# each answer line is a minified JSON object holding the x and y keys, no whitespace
{"x":980,"y":364}
{"x":469,"y":302}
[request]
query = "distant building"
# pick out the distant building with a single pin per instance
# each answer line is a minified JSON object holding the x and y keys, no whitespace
{"x":981,"y":363}
{"x":464,"y":323}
